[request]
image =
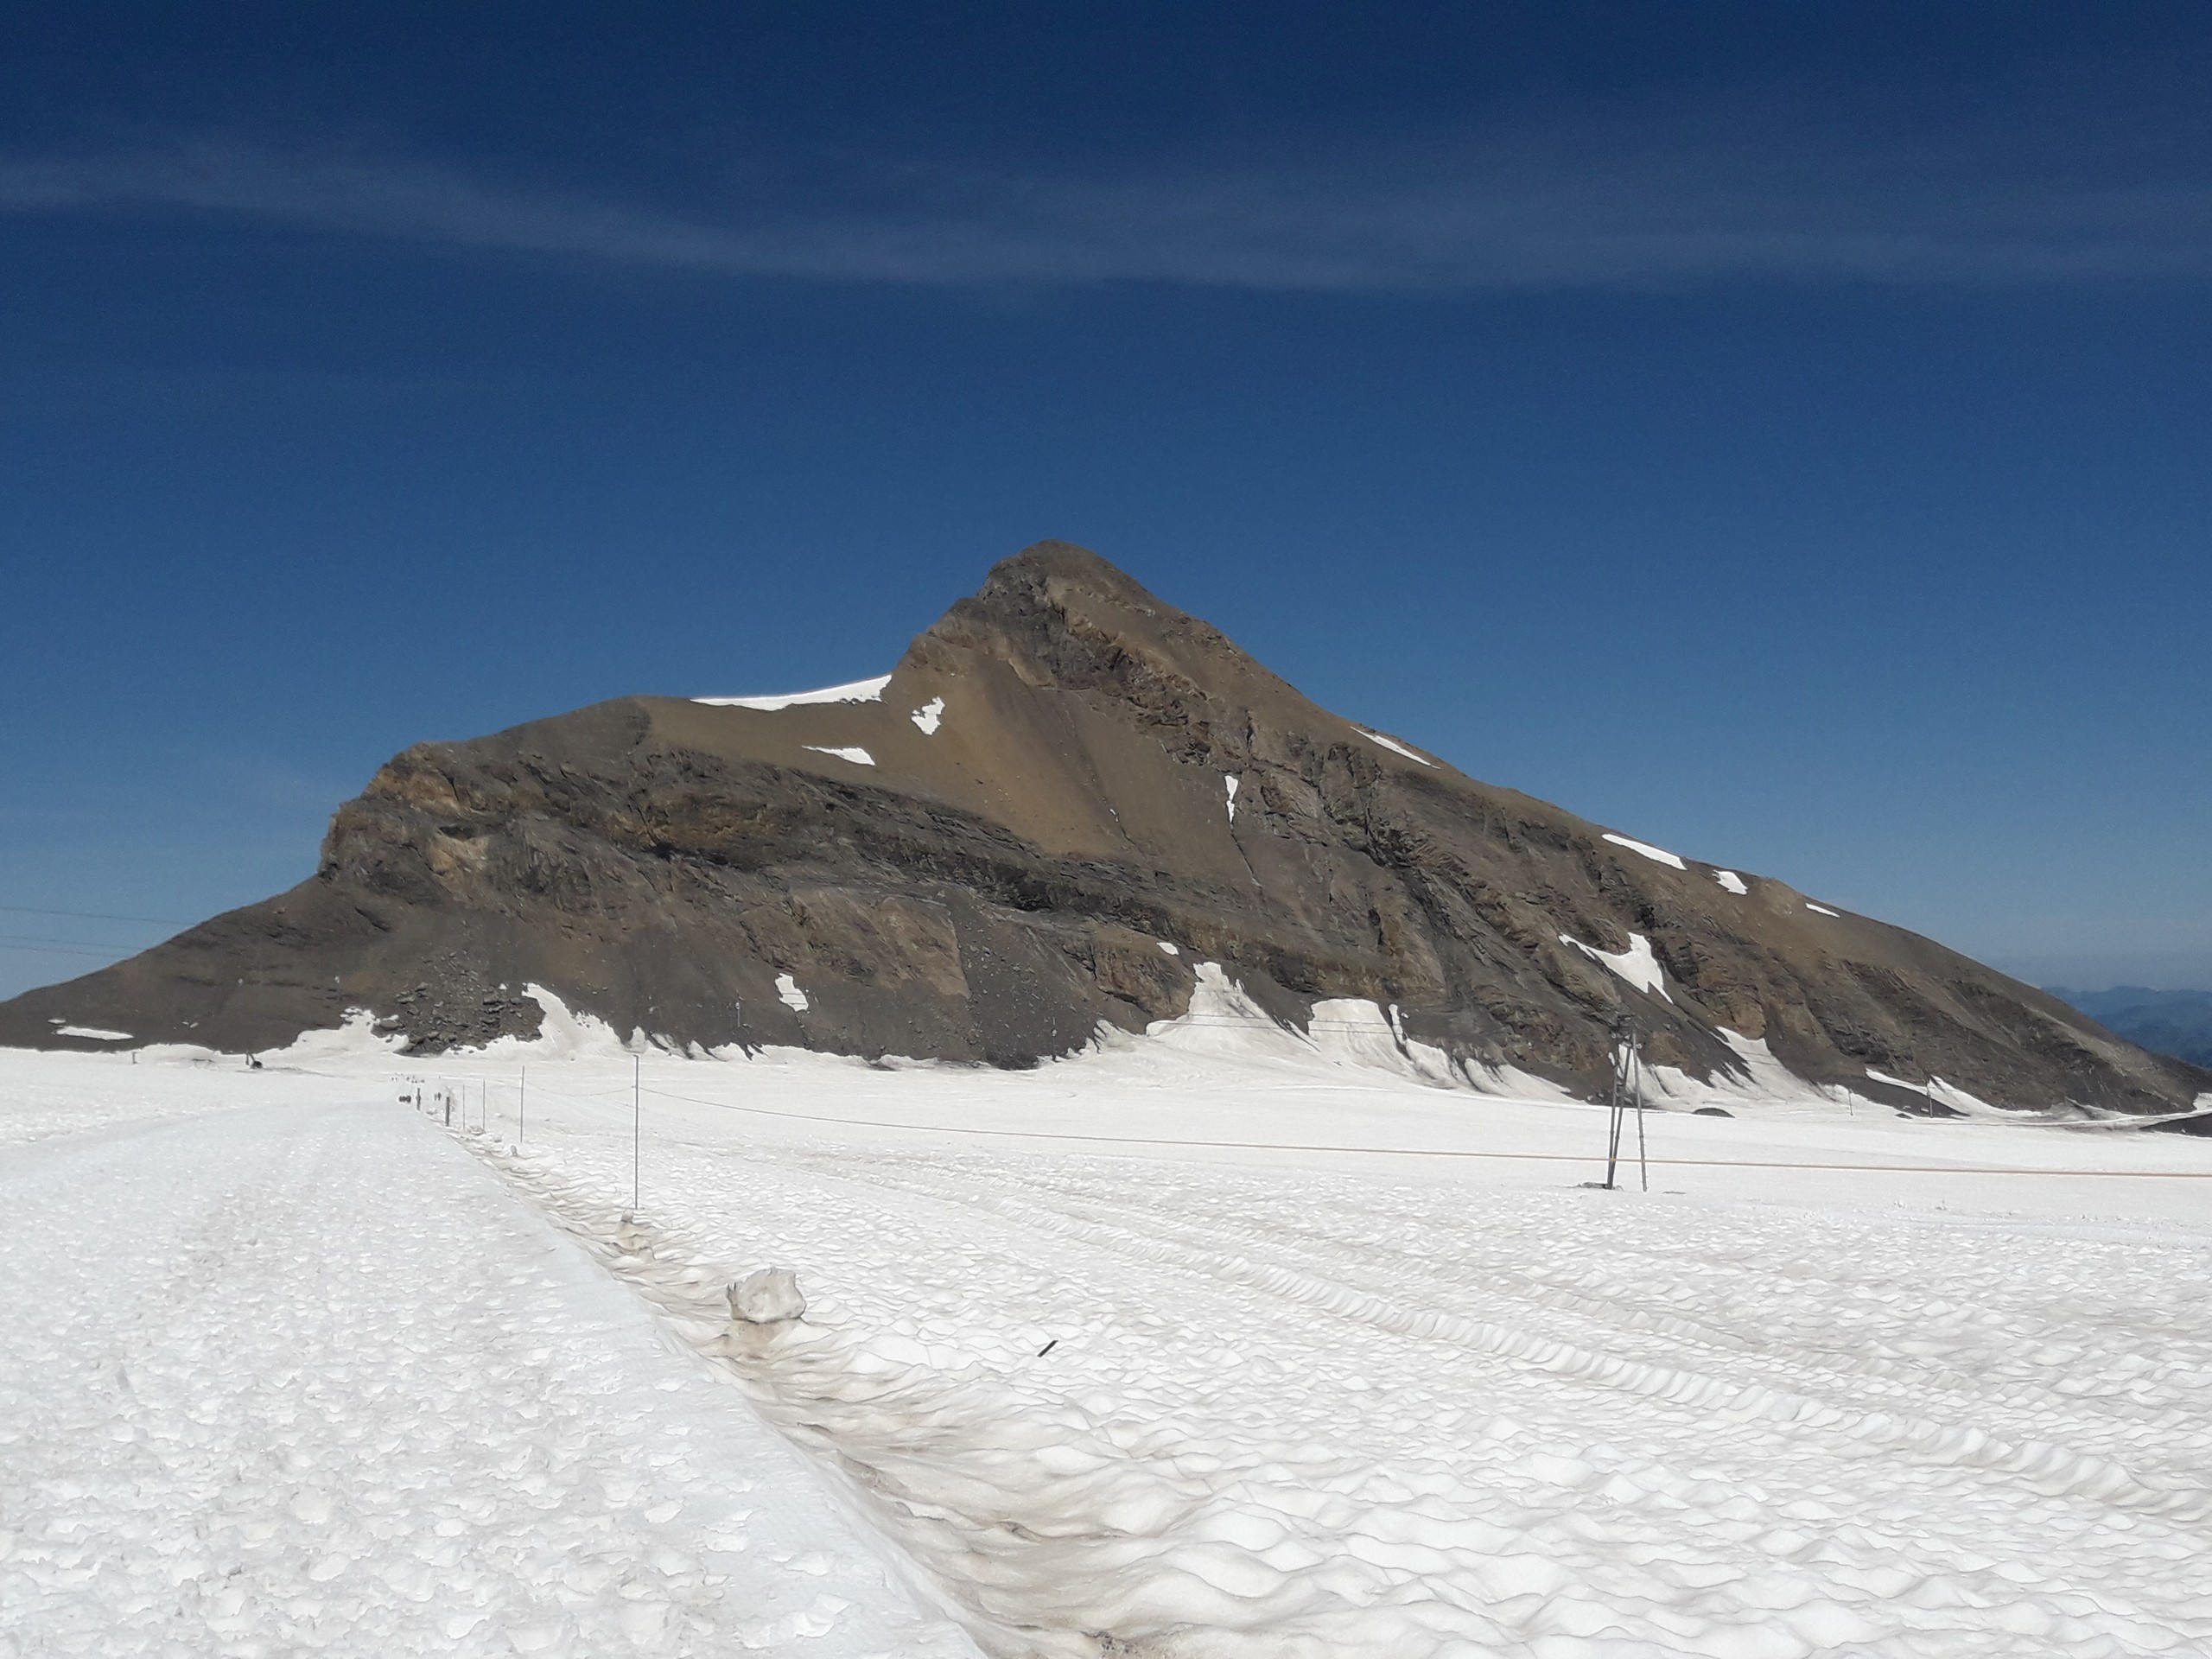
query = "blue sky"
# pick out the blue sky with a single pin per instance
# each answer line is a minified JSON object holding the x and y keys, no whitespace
{"x":1784,"y":433}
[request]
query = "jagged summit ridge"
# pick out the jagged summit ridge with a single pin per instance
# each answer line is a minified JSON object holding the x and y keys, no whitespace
{"x":1064,"y":616}
{"x":982,"y":860}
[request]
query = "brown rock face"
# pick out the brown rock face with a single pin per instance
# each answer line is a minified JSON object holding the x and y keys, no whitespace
{"x":982,"y":863}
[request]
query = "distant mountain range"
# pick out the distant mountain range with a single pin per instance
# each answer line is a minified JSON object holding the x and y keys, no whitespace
{"x":2178,"y":1023}
{"x":1066,"y":806}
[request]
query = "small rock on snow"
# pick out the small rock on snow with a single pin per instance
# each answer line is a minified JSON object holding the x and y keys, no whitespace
{"x":770,"y":1296}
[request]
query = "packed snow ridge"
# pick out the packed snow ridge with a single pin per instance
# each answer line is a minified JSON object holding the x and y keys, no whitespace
{"x":857,"y":691}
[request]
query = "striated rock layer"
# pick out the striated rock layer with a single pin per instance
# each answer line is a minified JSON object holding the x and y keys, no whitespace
{"x":984,"y":861}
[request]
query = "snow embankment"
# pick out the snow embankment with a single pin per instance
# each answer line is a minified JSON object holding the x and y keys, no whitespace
{"x":1760,"y":1083}
{"x":1344,"y":1032}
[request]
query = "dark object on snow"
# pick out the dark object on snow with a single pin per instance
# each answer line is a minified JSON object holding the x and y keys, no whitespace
{"x":1713,"y":1111}
{"x":980,"y":864}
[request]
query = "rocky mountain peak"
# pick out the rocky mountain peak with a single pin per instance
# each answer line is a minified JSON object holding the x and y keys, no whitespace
{"x":991,"y":854}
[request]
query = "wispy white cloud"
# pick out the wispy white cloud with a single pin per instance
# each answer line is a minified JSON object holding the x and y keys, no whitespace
{"x":1548,"y":207}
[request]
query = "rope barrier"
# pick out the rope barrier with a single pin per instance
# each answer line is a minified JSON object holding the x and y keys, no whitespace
{"x":1353,"y":1151}
{"x":1414,"y":1152}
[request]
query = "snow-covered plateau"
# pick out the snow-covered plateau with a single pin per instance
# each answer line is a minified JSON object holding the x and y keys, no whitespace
{"x":1199,"y":1344}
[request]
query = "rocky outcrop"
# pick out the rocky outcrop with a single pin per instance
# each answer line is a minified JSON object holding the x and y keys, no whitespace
{"x":985,"y":860}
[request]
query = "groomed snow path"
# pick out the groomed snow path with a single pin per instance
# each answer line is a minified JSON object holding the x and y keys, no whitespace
{"x":297,"y":1379}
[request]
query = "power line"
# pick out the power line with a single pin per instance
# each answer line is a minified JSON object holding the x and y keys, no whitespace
{"x":93,"y":915}
{"x":1420,"y":1151}
{"x":637,"y":1088}
{"x":58,"y":947}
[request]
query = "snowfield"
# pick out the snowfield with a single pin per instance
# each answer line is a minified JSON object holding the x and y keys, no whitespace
{"x":292,"y":1367}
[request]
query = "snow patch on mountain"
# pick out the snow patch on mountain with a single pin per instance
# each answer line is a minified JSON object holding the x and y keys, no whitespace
{"x":929,"y":716}
{"x":1656,"y":854}
{"x":853,"y":691}
{"x":858,"y":757}
{"x":1731,"y":881}
{"x":1638,"y":965}
{"x":1393,"y":745}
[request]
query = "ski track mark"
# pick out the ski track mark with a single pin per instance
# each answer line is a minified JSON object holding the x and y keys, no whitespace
{"x":2047,"y":1468}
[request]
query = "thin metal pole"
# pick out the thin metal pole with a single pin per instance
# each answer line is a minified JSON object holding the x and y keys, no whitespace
{"x":636,"y":1124}
{"x":1613,"y":1114}
{"x":1636,"y":1093}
